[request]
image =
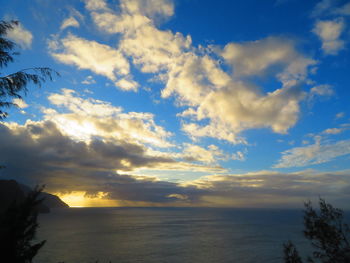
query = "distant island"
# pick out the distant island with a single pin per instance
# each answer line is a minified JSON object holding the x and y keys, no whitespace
{"x":11,"y":190}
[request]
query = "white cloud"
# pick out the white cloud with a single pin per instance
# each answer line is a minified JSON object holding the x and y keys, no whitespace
{"x":340,"y":115}
{"x":96,"y":5}
{"x":239,"y":156}
{"x":239,"y":107}
{"x":316,"y":153}
{"x":89,"y":107}
{"x":127,"y":84}
{"x":134,"y":13}
{"x":69,"y":22}
{"x":230,"y":106}
{"x":88,"y":81}
{"x":333,"y":130}
{"x":89,"y":118}
{"x":321,"y":90}
{"x":149,"y":8}
{"x":154,"y":50}
{"x":213,"y":130}
{"x":100,"y":59}
{"x":329,"y":32}
{"x":210,"y":155}
{"x":124,"y":23}
{"x":20,"y":36}
{"x":20,"y":103}
{"x":197,"y":80}
{"x":259,"y":57}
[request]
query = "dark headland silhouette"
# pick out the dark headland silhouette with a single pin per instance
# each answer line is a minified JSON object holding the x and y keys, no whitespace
{"x":12,"y":191}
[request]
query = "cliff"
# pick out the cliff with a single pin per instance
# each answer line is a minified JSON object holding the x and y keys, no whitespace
{"x":11,"y":191}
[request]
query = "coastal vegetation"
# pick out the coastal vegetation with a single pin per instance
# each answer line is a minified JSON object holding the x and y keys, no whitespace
{"x":328,"y":234}
{"x":14,"y":84}
{"x":18,"y":227}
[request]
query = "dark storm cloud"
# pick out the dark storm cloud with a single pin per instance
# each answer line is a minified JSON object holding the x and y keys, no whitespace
{"x":38,"y":153}
{"x":44,"y":143}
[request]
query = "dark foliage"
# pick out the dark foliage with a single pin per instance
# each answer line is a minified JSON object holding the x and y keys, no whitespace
{"x":6,"y":46}
{"x":18,"y":226}
{"x":12,"y":85}
{"x":328,"y":234}
{"x":290,"y":253}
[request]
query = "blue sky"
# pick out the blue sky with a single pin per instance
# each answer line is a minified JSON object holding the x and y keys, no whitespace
{"x":161,"y":102}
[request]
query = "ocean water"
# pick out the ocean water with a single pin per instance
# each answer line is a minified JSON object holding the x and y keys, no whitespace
{"x":169,"y":235}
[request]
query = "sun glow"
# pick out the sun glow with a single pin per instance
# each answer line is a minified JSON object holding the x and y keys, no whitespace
{"x":79,"y":130}
{"x":81,"y":199}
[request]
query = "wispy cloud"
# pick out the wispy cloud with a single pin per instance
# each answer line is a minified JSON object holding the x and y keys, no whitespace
{"x":330,"y":7}
{"x":343,"y":10}
{"x":20,"y":36}
{"x":322,"y":7}
{"x":334,"y":130}
{"x":321,"y":90}
{"x":88,"y":80}
{"x":340,"y":115}
{"x":69,"y":22}
{"x":316,"y":153}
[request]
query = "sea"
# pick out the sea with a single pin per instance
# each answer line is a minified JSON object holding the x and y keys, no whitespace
{"x":169,"y":235}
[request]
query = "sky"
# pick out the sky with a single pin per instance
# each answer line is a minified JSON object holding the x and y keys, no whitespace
{"x":182,"y":102}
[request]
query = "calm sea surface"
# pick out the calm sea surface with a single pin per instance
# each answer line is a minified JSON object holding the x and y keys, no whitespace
{"x":174,"y":235}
